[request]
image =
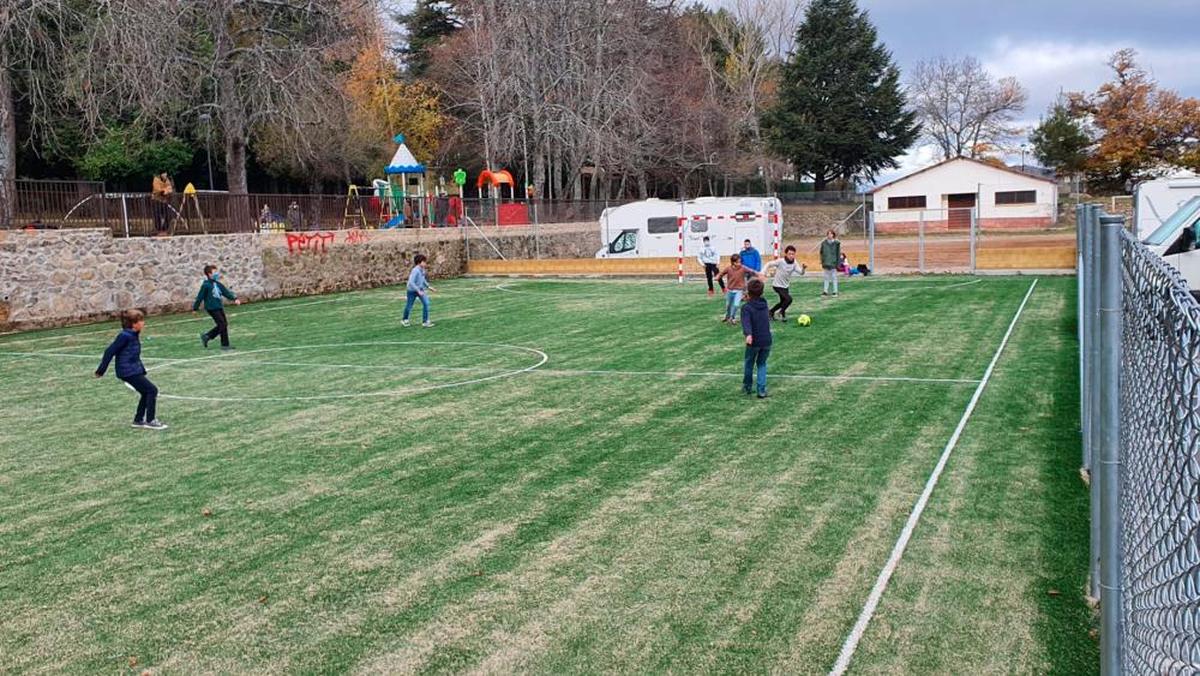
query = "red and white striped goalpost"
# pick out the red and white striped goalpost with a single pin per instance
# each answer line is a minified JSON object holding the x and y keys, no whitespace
{"x":682,"y":221}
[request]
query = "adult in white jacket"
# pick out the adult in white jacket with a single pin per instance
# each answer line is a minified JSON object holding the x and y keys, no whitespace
{"x":710,"y":259}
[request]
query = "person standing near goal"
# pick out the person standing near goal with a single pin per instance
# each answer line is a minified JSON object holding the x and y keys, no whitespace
{"x":785,"y":269}
{"x":831,"y":255}
{"x":710,"y":259}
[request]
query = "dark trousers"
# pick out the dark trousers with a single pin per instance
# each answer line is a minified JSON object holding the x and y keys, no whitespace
{"x":785,"y":301}
{"x":710,"y":271}
{"x":162,"y":215}
{"x":149,"y":399}
{"x":222,"y":327}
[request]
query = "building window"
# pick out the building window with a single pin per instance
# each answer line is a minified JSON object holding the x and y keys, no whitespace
{"x":1016,"y":197}
{"x":663,"y":225}
{"x":910,"y":202}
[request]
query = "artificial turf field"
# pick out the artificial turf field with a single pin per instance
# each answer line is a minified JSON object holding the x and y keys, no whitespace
{"x":560,"y":477}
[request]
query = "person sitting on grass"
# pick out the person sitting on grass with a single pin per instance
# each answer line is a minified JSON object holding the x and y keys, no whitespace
{"x":211,"y":292}
{"x":418,"y":287}
{"x":127,"y":350}
{"x":756,"y":326}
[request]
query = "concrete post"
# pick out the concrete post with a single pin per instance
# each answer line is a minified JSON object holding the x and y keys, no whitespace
{"x":921,"y":243}
{"x":973,"y":236}
{"x":871,"y":242}
{"x":1111,"y":591}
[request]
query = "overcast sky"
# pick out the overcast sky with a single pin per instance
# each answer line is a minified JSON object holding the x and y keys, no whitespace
{"x":1049,"y":45}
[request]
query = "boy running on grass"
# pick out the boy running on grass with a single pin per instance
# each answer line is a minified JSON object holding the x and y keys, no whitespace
{"x":735,"y":275}
{"x":831,"y":255}
{"x":785,"y":269}
{"x":127,"y":350}
{"x":756,"y":326}
{"x":710,"y":259}
{"x":211,"y":292}
{"x":418,"y":287}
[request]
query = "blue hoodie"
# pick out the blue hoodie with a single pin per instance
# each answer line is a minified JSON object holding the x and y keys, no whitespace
{"x":417,"y":280}
{"x":751,"y":259}
{"x":127,"y":348}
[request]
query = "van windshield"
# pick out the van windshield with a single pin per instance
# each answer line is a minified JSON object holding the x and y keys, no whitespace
{"x":1184,"y":217}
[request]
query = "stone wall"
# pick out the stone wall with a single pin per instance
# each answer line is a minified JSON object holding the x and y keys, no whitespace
{"x":58,"y":277}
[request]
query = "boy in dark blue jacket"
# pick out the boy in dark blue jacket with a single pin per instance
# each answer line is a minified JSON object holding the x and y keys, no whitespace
{"x":211,"y":291}
{"x":127,"y":349}
{"x":756,"y":325}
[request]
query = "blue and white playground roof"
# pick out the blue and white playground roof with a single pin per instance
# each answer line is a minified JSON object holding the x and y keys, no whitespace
{"x":403,"y":161}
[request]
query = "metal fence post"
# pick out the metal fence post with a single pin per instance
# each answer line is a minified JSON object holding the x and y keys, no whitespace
{"x":973,"y":236}
{"x":1110,"y":451}
{"x":1092,"y":225}
{"x":921,"y":243}
{"x":871,"y":241}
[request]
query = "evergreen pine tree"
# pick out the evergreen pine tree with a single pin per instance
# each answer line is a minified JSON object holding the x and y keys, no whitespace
{"x":1059,"y":141}
{"x":840,"y":111}
{"x":427,"y":24}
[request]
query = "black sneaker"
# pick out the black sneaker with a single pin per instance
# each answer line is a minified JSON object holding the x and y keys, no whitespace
{"x":746,"y":392}
{"x":204,"y":339}
{"x":228,"y":348}
{"x":137,"y":424}
{"x":155,"y":424}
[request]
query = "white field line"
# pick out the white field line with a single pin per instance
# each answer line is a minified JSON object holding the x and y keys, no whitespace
{"x":169,"y":322}
{"x":885,"y":575}
{"x":233,"y":361}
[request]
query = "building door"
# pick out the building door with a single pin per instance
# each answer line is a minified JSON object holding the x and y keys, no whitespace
{"x":960,"y":207}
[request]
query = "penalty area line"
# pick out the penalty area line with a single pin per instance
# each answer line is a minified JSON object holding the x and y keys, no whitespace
{"x":885,"y":575}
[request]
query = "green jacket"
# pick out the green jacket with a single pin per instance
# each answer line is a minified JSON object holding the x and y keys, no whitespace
{"x":210,"y":294}
{"x":831,"y":253}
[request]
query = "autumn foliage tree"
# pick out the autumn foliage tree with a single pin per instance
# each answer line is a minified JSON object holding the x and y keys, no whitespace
{"x":1140,"y":130}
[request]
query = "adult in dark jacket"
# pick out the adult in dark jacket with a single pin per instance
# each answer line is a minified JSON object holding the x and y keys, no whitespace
{"x":831,"y":255}
{"x":127,"y":350}
{"x":211,"y":293}
{"x":756,"y":325}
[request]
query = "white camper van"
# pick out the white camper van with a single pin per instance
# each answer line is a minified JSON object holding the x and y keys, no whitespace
{"x":1175,"y":241}
{"x":1155,"y":201}
{"x":651,"y":228}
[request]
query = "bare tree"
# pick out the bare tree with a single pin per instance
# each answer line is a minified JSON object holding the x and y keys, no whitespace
{"x":962,"y":109}
{"x":252,"y":65}
{"x":34,"y":48}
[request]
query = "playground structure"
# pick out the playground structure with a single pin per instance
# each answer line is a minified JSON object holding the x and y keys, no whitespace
{"x":491,"y":185}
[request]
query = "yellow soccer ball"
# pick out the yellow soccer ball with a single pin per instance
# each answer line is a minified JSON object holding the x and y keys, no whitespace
{"x":804,"y":320}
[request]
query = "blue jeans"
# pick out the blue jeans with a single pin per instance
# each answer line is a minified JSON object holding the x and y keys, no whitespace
{"x":733,"y":299}
{"x":756,"y":356}
{"x":412,"y":297}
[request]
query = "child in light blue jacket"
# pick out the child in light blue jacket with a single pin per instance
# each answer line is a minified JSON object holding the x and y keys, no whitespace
{"x":418,"y":287}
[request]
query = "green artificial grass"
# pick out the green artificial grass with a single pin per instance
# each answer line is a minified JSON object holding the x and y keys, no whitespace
{"x":561,"y":476}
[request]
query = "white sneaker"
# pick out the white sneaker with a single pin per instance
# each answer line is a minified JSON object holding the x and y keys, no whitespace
{"x":403,"y":322}
{"x":155,"y":424}
{"x":428,"y":325}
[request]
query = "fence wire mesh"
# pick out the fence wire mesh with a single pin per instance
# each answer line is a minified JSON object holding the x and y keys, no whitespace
{"x":1141,"y":437}
{"x":1160,"y":435}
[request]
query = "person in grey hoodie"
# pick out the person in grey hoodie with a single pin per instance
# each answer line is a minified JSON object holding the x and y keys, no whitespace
{"x":710,"y":259}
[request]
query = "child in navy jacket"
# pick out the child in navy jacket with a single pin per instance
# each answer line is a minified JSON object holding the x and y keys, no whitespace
{"x":127,"y":350}
{"x":756,"y":325}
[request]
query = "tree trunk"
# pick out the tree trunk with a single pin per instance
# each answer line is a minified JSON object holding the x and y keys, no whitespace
{"x":641,"y":185}
{"x":819,"y":180}
{"x":8,"y":150}
{"x":235,"y":161}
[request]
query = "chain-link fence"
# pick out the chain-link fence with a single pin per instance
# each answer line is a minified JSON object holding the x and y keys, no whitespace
{"x":1139,"y":329}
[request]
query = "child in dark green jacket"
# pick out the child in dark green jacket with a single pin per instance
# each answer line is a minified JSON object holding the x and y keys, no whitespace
{"x":211,"y":293}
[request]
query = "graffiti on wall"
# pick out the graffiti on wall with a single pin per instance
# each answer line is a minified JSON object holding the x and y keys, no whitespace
{"x":317,"y":242}
{"x":356,"y":236}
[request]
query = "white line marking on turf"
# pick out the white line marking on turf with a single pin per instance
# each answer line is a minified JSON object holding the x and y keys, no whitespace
{"x":542,"y":359}
{"x":169,"y":322}
{"x":714,"y":374}
{"x":885,"y":575}
{"x":541,"y":371}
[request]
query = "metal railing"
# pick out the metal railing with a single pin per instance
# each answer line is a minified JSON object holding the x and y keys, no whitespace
{"x":78,"y":204}
{"x":1139,"y":329}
